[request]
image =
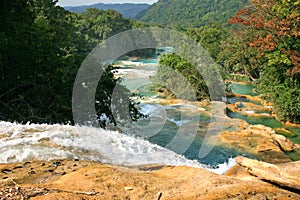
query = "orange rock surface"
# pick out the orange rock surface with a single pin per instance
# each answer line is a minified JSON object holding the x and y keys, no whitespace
{"x":89,"y":180}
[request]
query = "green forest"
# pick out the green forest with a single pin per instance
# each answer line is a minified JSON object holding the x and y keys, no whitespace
{"x":128,"y":10}
{"x":262,"y":45}
{"x":42,"y":47}
{"x":173,"y":13}
{"x":266,"y":48}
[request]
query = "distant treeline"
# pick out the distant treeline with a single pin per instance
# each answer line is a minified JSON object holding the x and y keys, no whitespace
{"x":128,"y":10}
{"x":190,"y":12}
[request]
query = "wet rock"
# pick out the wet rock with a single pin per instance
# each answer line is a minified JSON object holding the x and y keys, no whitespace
{"x":261,"y":129}
{"x":4,"y":135}
{"x":150,"y":168}
{"x":257,"y":141}
{"x":286,"y":175}
{"x":284,"y":143}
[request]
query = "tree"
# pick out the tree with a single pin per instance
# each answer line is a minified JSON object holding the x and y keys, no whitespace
{"x":211,"y":36}
{"x":274,"y":26}
{"x":236,"y":56}
{"x":191,"y":13}
{"x":180,"y":78}
{"x":42,"y":47}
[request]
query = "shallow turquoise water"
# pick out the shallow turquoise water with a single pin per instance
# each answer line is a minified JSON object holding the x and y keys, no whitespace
{"x":295,"y":156}
{"x":296,"y":131}
{"x":233,"y":100}
{"x":147,"y":61}
{"x":147,"y":90}
{"x":216,"y":156}
{"x":244,"y":89}
{"x":267,"y":121}
{"x":177,"y":118}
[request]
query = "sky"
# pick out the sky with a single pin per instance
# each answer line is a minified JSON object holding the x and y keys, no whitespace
{"x":89,"y":2}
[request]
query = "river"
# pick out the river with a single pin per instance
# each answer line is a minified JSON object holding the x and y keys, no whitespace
{"x":180,"y":115}
{"x":260,"y":114}
{"x":172,"y":135}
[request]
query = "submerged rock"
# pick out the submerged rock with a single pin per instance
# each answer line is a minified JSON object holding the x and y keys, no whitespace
{"x":286,"y":175}
{"x":285,"y":132}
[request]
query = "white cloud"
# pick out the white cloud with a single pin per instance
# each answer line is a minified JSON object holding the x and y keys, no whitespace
{"x":89,"y":2}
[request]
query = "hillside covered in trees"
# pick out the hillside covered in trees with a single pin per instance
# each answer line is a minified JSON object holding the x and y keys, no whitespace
{"x":263,"y":45}
{"x":41,"y":49}
{"x":266,"y":48}
{"x":190,"y":12}
{"x":128,"y":10}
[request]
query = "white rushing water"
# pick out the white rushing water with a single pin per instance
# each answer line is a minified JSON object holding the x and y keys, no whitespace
{"x":46,"y":142}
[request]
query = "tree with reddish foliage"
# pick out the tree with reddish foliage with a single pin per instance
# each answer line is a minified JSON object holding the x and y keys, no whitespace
{"x":274,"y":32}
{"x":276,"y":24}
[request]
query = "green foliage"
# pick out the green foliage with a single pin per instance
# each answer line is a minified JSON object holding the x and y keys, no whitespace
{"x":32,"y":68}
{"x":98,"y":24}
{"x":42,"y":47}
{"x":277,"y":58}
{"x":237,"y":57}
{"x":286,"y":98}
{"x":128,"y":10}
{"x":238,"y":78}
{"x":288,"y":104}
{"x":284,"y":92}
{"x":268,"y":44}
{"x":106,"y":88}
{"x":191,"y":12}
{"x":180,"y":78}
{"x":210,"y":37}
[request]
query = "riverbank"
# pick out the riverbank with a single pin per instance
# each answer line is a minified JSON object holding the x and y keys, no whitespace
{"x":63,"y":179}
{"x":73,"y":177}
{"x":79,"y":179}
{"x":257,"y":98}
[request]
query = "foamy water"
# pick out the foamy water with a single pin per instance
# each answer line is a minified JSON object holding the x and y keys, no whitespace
{"x":47,"y":142}
{"x":136,"y":73}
